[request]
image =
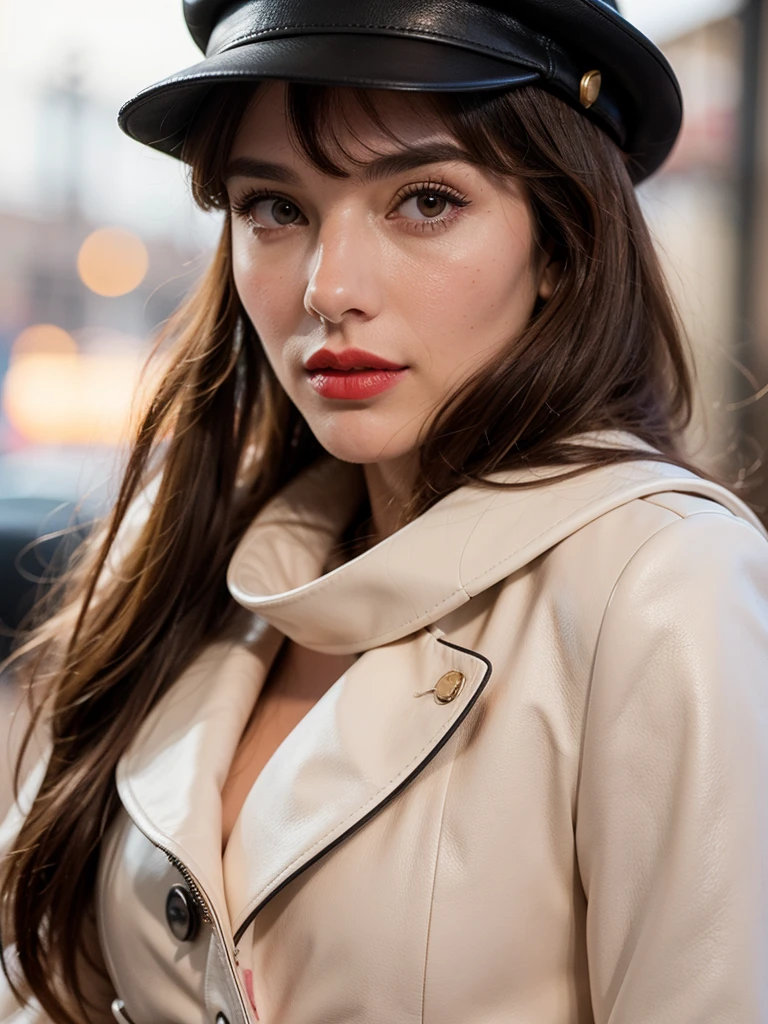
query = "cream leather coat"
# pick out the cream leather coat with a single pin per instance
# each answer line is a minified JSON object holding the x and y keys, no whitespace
{"x":537,"y":797}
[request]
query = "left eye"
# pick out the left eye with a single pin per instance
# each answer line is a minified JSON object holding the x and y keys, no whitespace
{"x":282,"y":211}
{"x":428,"y":204}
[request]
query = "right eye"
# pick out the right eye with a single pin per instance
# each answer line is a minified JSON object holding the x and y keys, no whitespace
{"x":266,"y":211}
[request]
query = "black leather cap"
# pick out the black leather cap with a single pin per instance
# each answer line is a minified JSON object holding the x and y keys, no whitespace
{"x":436,"y":45}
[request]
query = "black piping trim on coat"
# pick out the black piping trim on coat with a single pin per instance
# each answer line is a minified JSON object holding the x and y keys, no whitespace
{"x":387,"y":800}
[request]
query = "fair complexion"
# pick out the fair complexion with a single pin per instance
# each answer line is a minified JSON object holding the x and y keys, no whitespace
{"x":430,"y":264}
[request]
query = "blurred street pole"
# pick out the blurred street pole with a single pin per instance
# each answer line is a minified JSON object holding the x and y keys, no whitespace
{"x":74,"y":108}
{"x":63,"y":138}
{"x":752,"y":269}
{"x":752,"y":18}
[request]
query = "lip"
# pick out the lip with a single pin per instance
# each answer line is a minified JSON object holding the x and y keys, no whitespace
{"x":349,"y":359}
{"x":354,"y":385}
{"x":352,"y":374}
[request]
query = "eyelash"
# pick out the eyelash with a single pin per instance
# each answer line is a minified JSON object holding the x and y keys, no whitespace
{"x":243,"y":206}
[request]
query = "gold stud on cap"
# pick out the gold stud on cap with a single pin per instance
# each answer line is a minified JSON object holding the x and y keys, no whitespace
{"x":591,"y":83}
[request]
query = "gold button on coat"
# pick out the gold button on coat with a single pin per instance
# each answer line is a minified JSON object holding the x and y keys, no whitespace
{"x":449,"y":687}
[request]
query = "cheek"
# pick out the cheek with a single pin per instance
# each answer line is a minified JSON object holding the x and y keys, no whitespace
{"x":475,"y":299}
{"x":268,"y":289}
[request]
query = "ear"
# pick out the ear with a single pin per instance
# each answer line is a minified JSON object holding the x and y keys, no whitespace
{"x":549,"y":279}
{"x":549,"y":274}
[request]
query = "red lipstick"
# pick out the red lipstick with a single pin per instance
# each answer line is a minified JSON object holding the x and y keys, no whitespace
{"x":351,"y":374}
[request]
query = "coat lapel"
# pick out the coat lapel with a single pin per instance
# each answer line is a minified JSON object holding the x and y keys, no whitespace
{"x":170,"y":779}
{"x":371,"y":734}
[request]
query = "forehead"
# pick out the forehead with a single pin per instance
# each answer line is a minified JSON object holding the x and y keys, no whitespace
{"x":401,"y":118}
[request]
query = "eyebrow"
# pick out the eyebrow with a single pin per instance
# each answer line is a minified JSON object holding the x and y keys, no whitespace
{"x":382,"y":167}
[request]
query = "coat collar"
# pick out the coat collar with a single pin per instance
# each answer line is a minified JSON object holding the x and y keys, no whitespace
{"x":464,"y":544}
{"x":342,"y":764}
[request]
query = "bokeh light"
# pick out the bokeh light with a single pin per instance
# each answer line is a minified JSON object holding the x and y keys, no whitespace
{"x":55,"y":394}
{"x":43,"y":338}
{"x":112,"y":261}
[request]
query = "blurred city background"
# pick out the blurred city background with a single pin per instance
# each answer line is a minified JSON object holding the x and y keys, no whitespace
{"x":100,"y":240}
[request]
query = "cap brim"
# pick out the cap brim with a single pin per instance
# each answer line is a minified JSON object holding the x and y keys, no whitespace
{"x":160,"y":115}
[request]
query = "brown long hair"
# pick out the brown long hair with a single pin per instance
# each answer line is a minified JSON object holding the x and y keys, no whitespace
{"x":604,"y":353}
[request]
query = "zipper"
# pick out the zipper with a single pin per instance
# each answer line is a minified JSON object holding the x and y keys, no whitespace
{"x":207,"y":914}
{"x":193,"y":887}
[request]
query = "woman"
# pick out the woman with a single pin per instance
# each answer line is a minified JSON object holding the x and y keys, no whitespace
{"x":416,"y":675}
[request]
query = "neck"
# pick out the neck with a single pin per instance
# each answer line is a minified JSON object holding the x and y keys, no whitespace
{"x":389,"y":488}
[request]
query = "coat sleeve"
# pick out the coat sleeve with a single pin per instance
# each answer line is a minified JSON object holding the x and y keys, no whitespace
{"x":672,"y":801}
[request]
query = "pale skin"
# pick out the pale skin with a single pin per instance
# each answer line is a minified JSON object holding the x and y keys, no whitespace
{"x":323,"y":262}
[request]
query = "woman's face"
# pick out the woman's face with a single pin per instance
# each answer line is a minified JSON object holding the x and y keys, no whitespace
{"x":422,"y":268}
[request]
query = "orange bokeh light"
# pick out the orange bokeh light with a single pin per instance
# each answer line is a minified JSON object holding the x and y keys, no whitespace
{"x":54,"y":394}
{"x":43,"y":338}
{"x":112,"y":261}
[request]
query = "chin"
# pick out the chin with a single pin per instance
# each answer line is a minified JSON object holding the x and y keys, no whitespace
{"x":362,"y":447}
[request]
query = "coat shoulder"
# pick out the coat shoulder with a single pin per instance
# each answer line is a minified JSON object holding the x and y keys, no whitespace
{"x":689,"y":529}
{"x":686,"y":526}
{"x":663,"y":563}
{"x":696,"y":548}
{"x":684,"y":505}
{"x":681,"y":544}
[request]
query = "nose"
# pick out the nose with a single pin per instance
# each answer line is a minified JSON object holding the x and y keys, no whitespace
{"x":344,"y":271}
